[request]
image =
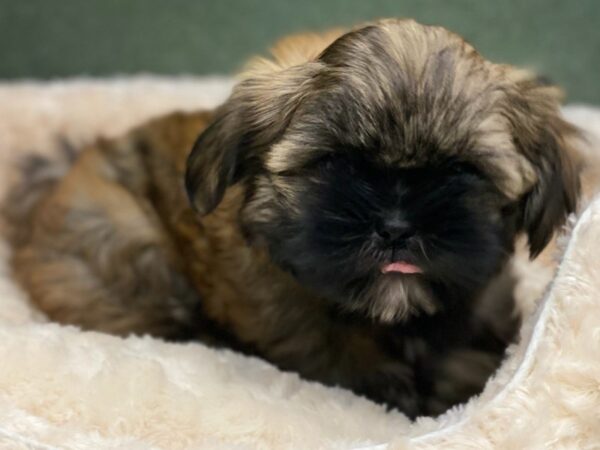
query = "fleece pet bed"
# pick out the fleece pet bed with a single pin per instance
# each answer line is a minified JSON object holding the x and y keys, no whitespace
{"x":64,"y":388}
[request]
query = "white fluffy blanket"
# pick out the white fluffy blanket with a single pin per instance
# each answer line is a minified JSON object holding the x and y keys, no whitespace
{"x":64,"y":388}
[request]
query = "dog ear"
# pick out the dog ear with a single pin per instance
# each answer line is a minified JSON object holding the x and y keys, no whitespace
{"x":545,"y":139}
{"x":254,"y":117}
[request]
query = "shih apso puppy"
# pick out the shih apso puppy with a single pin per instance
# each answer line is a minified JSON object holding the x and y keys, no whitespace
{"x":347,"y":214}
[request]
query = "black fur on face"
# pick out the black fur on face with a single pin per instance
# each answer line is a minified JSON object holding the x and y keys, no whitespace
{"x":398,"y":143}
{"x":355,"y":217}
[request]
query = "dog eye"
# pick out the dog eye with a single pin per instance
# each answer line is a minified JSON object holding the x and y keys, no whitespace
{"x":462,"y":168}
{"x":342,"y":164}
{"x":326,"y":162}
{"x":333,"y":162}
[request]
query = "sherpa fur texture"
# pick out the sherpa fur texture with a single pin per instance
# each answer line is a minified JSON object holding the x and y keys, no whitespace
{"x":63,"y":388}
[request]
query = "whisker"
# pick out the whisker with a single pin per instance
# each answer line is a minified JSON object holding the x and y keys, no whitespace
{"x":422,"y":246}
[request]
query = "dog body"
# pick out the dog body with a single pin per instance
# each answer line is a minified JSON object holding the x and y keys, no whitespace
{"x":354,"y":206}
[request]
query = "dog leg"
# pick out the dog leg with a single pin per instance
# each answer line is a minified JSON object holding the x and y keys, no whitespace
{"x":98,"y":257}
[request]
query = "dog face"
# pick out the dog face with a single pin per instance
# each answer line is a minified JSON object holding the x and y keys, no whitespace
{"x":391,"y":172}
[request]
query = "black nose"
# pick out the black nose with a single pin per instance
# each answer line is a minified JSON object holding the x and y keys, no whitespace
{"x":393,"y":228}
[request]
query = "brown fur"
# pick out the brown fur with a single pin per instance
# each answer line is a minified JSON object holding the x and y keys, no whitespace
{"x":114,"y":246}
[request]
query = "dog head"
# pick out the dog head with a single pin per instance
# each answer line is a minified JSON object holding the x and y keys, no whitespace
{"x":392,"y":171}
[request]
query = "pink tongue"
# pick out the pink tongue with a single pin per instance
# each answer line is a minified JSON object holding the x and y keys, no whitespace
{"x":401,"y":267}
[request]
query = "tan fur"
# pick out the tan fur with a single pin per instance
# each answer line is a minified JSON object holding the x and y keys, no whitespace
{"x":490,"y":88}
{"x":293,"y":50}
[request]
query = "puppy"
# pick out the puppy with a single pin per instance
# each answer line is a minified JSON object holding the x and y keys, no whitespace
{"x":354,"y":204}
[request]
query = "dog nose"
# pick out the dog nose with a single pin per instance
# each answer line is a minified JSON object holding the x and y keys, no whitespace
{"x":393,"y":229}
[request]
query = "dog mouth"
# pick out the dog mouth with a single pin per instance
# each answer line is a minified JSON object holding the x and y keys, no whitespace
{"x":403,"y":267}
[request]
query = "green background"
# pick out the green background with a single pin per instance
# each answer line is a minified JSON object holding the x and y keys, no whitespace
{"x":59,"y":38}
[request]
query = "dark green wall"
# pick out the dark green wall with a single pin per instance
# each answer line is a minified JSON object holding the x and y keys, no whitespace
{"x":57,"y":38}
